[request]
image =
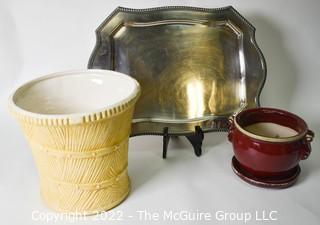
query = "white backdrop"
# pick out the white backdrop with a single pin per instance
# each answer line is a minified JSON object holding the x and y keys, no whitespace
{"x":38,"y":37}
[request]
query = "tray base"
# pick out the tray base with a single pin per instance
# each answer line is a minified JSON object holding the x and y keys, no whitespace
{"x":283,"y":182}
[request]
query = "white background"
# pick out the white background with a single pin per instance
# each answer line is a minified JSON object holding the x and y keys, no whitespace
{"x":39,"y":37}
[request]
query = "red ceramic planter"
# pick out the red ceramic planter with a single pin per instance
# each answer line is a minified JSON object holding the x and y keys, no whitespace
{"x":269,"y":157}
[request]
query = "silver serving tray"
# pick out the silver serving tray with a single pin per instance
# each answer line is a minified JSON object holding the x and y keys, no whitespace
{"x":196,"y":66}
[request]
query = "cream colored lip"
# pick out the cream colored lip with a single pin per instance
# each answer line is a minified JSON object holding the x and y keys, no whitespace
{"x":269,"y":139}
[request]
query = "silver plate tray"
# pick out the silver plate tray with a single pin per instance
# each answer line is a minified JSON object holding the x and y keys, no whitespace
{"x":196,"y":66}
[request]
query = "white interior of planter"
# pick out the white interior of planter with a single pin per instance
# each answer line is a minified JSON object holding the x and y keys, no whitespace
{"x":75,"y":92}
{"x":272,"y":130}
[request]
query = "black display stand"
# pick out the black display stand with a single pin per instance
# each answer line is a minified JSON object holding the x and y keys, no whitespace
{"x":195,"y":139}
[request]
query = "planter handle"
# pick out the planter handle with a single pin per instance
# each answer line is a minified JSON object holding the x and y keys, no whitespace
{"x":231,"y":121}
{"x":231,"y":128}
{"x":306,"y":146}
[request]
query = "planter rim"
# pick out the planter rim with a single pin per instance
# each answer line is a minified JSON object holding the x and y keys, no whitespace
{"x":297,"y":137}
{"x":77,"y":117}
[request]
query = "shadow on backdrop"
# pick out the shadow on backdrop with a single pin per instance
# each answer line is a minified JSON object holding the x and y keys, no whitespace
{"x":10,"y":54}
{"x":282,"y":71}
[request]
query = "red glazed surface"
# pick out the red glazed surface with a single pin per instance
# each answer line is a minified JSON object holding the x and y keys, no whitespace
{"x":269,"y":157}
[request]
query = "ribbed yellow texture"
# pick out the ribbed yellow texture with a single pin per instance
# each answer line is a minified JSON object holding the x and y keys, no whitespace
{"x":82,"y":167}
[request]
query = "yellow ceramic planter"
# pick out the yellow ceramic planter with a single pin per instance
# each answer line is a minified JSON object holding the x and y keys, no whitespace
{"x":78,"y":124}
